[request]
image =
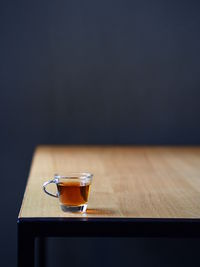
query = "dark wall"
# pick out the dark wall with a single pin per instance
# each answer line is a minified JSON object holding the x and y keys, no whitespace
{"x":120,"y":72}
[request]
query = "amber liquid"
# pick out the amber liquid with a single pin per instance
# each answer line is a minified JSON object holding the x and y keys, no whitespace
{"x":73,"y":193}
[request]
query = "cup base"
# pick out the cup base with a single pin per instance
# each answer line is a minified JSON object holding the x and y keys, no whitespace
{"x":81,"y":208}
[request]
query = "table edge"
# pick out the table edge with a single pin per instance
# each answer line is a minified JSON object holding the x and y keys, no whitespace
{"x":106,"y":219}
{"x":110,"y":227}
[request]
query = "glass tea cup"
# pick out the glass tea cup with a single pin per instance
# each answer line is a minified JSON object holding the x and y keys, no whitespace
{"x":72,"y":190}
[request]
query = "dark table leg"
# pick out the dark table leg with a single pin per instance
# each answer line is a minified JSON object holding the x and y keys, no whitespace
{"x":26,"y":245}
{"x":41,"y":251}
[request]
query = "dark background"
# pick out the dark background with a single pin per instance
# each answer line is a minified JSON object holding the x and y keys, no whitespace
{"x":96,"y":72}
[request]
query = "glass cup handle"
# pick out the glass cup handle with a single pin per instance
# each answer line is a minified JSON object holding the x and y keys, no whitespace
{"x":44,"y":188}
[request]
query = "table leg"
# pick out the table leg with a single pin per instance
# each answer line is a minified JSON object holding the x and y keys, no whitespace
{"x":26,"y":245}
{"x":41,"y":251}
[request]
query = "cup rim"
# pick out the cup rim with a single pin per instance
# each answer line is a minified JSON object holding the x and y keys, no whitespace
{"x":75,"y":176}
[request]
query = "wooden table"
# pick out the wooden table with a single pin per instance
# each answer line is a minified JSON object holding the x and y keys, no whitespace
{"x":136,"y":191}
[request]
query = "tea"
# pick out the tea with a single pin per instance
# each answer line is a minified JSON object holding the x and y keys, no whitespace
{"x":73,"y":193}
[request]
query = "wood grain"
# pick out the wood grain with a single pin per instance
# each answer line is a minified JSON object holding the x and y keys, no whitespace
{"x":129,"y":182}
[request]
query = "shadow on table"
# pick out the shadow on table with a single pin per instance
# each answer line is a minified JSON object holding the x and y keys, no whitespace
{"x":100,"y":211}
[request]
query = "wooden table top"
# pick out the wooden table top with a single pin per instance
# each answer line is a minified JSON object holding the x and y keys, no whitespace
{"x":129,"y":182}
